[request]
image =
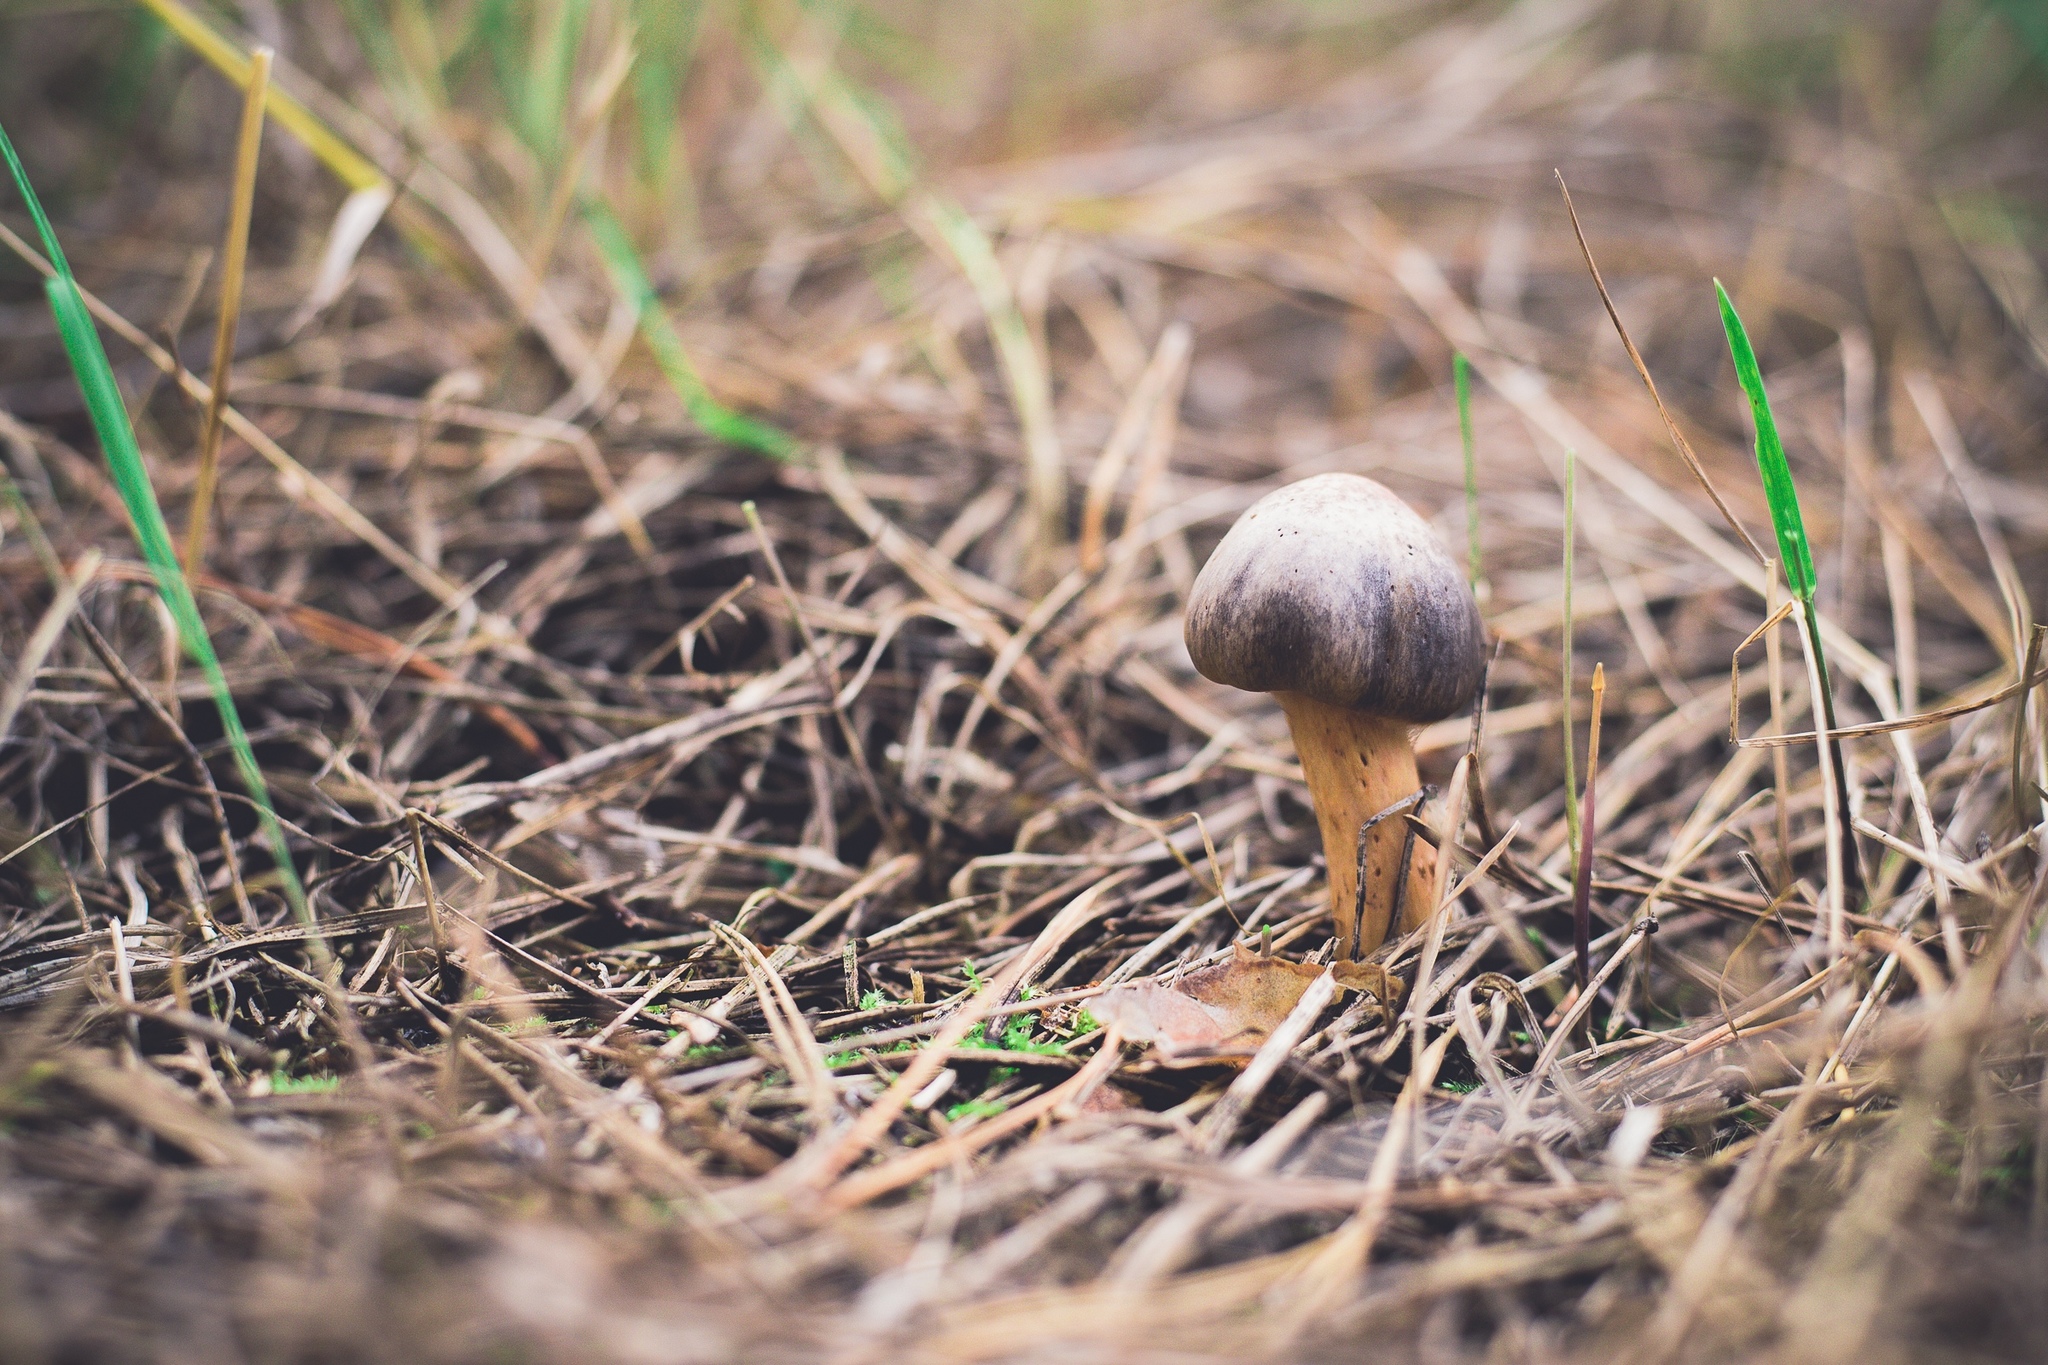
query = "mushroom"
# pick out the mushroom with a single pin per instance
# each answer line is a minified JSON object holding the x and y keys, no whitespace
{"x":1333,"y":595}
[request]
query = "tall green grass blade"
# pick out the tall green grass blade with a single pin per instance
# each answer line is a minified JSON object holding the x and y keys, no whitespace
{"x":1461,"y":380}
{"x":707,"y":412}
{"x":494,"y":32}
{"x":655,"y":82}
{"x":1582,"y":879}
{"x":1779,"y":491}
{"x":117,"y":439}
{"x":110,"y":424}
{"x":418,"y":47}
{"x":667,"y":32}
{"x":1794,"y":554}
{"x":128,"y":79}
{"x":551,"y":66}
{"x":51,"y":247}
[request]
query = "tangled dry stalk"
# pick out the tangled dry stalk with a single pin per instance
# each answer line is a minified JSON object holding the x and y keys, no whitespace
{"x":705,"y":933}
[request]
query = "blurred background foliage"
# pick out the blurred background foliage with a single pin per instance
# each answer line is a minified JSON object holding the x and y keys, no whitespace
{"x":723,"y":134}
{"x":104,"y":94}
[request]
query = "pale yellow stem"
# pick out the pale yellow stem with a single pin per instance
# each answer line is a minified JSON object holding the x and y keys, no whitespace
{"x":1358,"y":765}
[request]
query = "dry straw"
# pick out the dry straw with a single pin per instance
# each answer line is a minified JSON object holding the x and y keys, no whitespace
{"x":729,"y":785}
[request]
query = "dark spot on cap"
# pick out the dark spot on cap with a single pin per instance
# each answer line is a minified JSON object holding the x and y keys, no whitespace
{"x":1311,"y":592}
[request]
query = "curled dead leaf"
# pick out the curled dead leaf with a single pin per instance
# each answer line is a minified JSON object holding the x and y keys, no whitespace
{"x":1222,"y":1013}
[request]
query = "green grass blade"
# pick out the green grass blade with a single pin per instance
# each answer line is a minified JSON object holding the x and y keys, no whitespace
{"x":371,"y":28}
{"x":668,"y":42}
{"x":122,"y":96}
{"x":1779,"y":491}
{"x":110,"y":424}
{"x":1797,"y":559}
{"x":707,"y":412}
{"x":1571,"y":534}
{"x":36,"y":215}
{"x":551,"y":66}
{"x":2030,"y":21}
{"x":494,"y":36}
{"x":1461,"y":380}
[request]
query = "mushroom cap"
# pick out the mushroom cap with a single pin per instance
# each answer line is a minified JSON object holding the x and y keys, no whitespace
{"x":1334,"y":588}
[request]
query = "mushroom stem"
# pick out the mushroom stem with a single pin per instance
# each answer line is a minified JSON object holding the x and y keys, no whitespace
{"x":1357,"y":765}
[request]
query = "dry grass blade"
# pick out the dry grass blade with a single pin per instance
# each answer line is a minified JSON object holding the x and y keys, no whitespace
{"x":239,"y":67}
{"x":1141,"y":412}
{"x":1940,"y":715}
{"x":828,"y":682}
{"x":43,"y":639}
{"x":234,"y":266}
{"x":1582,"y":878}
{"x":296,"y":476}
{"x":1635,"y":357}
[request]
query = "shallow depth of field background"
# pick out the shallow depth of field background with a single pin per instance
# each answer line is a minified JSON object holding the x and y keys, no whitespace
{"x":998,"y":314}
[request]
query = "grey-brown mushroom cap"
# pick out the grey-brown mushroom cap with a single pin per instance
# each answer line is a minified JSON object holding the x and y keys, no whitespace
{"x":1335,"y":588}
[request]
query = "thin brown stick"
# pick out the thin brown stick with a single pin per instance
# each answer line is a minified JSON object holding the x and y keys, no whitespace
{"x":1940,"y":715}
